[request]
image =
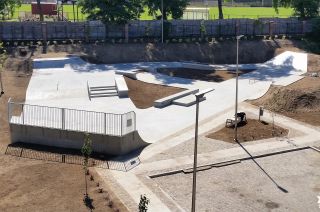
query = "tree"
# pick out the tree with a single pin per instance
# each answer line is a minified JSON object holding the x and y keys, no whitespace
{"x":8,"y":6}
{"x":174,"y":8}
{"x":86,"y":151}
{"x":220,"y":9}
{"x":119,"y":11}
{"x":143,"y":204}
{"x":40,"y":10}
{"x":302,"y":8}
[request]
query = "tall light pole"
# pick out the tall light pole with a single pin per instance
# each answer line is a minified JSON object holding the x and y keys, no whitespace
{"x":236,"y":107}
{"x":161,"y":21}
{"x":199,"y":96}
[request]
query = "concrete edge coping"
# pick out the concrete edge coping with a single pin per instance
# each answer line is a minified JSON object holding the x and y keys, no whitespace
{"x":228,"y":162}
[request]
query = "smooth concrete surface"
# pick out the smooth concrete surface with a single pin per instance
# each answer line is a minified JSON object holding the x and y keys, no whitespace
{"x":61,"y":82}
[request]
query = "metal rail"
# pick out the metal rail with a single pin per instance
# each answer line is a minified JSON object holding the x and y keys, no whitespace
{"x":71,"y":119}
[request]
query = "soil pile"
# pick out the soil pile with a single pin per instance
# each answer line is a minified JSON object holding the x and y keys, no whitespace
{"x":250,"y":131}
{"x":288,"y":100}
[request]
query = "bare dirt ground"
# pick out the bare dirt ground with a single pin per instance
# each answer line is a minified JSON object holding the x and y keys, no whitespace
{"x":31,"y":185}
{"x":34,"y":185}
{"x":300,"y":100}
{"x":144,"y":94}
{"x":204,"y":75}
{"x":251,"y":131}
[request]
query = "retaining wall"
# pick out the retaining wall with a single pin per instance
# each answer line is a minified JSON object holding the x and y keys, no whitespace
{"x":106,"y":144}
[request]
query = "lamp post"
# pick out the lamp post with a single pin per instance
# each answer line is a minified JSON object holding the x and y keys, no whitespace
{"x":161,"y":21}
{"x":236,"y":107}
{"x":198,"y":96}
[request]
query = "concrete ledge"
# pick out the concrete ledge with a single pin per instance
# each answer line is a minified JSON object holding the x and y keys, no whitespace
{"x":121,"y":86}
{"x":196,"y":66}
{"x":131,"y":74}
{"x":160,"y":103}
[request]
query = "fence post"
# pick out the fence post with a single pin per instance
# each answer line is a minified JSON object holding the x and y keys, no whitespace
{"x":86,"y":32}
{"x":62,"y":118}
{"x":271,"y":28}
{"x":44,"y":36}
{"x":303,"y":27}
{"x":105,"y":123}
{"x":121,"y":124}
{"x":9,"y":110}
{"x":22,"y":112}
{"x":126,"y":32}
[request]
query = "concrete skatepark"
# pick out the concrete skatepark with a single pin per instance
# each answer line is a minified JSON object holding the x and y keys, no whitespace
{"x":62,"y":83}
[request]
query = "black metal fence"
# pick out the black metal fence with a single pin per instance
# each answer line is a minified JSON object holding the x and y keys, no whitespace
{"x":72,"y":159}
{"x":94,"y":31}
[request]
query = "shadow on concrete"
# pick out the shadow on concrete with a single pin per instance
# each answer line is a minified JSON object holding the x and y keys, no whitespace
{"x":266,"y":173}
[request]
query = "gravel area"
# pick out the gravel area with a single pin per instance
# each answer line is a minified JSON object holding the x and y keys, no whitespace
{"x":205,"y":145}
{"x":245,"y":187}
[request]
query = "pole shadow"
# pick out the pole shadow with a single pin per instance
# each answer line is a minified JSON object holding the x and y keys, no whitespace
{"x":252,"y":158}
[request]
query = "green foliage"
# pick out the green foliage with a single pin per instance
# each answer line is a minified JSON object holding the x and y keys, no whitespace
{"x":8,"y":6}
{"x":174,"y":8}
{"x":203,"y":30}
{"x":119,"y":11}
{"x":302,"y":8}
{"x":143,"y":204}
{"x":86,"y":149}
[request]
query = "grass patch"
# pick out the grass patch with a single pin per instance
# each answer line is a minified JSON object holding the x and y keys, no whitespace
{"x":229,"y":12}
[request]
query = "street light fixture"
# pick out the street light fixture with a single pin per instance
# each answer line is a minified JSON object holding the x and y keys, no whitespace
{"x":236,"y":107}
{"x":198,"y":96}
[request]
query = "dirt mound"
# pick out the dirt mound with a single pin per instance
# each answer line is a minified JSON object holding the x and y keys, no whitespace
{"x":287,"y":100}
{"x":20,"y":65}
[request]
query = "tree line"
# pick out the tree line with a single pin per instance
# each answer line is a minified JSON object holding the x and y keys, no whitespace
{"x":121,"y":11}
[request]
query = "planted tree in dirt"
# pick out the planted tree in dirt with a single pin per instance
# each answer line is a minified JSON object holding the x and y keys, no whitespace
{"x":3,"y":57}
{"x":86,"y":151}
{"x":143,"y":204}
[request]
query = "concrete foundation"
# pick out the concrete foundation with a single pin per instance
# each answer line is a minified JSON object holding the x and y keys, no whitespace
{"x":106,"y":144}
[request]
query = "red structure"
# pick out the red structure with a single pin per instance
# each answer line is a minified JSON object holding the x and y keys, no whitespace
{"x":47,"y":8}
